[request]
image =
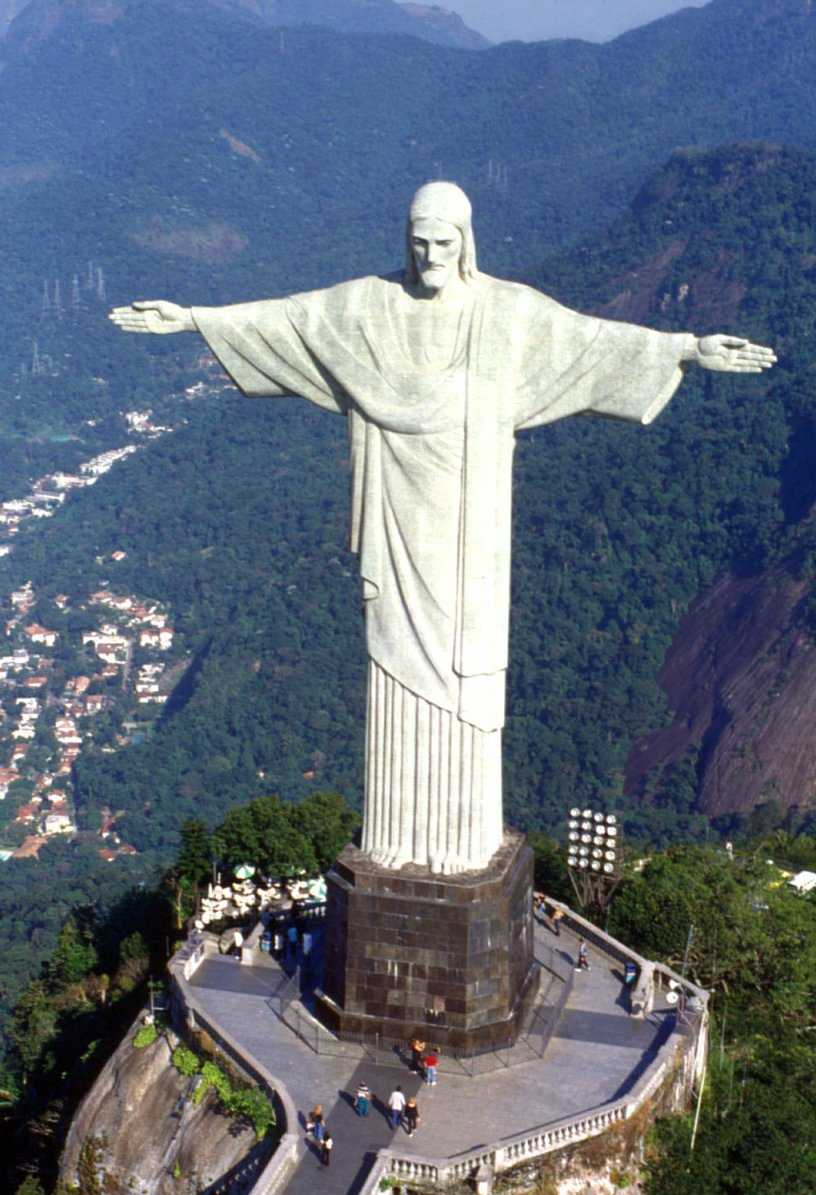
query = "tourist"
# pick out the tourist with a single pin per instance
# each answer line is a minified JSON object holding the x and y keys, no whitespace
{"x":396,"y":1107}
{"x":411,"y":1117}
{"x":556,"y":916}
{"x":362,"y":1099}
{"x":417,"y":1049}
{"x":429,"y":1063}
{"x":315,"y":1124}
{"x":583,"y":956}
{"x":326,"y":1146}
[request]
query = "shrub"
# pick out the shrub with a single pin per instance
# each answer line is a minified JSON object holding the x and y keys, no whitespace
{"x":254,"y":1106}
{"x":145,"y":1036}
{"x":238,"y":1100}
{"x":185,"y":1061}
{"x":213,"y":1076}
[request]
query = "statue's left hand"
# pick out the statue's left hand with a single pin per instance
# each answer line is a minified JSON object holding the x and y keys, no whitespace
{"x":732,"y":354}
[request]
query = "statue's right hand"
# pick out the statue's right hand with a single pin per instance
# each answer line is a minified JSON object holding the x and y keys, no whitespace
{"x":153,"y":315}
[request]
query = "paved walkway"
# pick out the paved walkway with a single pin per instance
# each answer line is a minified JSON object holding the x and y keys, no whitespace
{"x":596,"y":1055}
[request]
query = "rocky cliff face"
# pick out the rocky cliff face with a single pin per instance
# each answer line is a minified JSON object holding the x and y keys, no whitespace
{"x":741,"y":679}
{"x":145,"y":1131}
{"x":440,"y":24}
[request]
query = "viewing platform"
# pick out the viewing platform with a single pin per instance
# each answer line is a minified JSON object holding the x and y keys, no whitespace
{"x":583,"y":1064}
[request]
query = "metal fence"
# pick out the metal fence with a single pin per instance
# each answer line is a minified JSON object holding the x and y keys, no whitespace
{"x":291,"y":1004}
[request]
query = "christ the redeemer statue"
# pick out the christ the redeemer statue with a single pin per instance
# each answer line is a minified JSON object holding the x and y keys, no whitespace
{"x":436,"y":369}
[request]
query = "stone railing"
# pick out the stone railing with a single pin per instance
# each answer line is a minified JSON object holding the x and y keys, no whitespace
{"x":402,"y":1170}
{"x":192,"y":953}
{"x":649,"y":972}
{"x":275,"y":1175}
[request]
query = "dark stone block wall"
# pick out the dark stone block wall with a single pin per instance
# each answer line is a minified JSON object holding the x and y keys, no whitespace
{"x":447,"y":958}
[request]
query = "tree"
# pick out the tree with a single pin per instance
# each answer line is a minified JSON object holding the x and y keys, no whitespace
{"x":196,"y":854}
{"x":33,"y":1027}
{"x":263,"y":833}
{"x":328,"y":822}
{"x":550,"y":873}
{"x":761,"y":1101}
{"x":75,"y":955}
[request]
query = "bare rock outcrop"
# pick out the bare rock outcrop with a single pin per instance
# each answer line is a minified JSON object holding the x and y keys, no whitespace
{"x":146,"y":1131}
{"x":741,"y":679}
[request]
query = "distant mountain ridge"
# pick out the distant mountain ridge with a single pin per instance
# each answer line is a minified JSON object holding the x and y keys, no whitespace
{"x":429,"y":22}
{"x":550,"y":139}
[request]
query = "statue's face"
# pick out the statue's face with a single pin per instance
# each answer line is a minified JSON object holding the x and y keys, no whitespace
{"x":437,"y":249}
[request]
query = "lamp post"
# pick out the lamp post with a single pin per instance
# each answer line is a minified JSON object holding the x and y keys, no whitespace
{"x":593,"y":856}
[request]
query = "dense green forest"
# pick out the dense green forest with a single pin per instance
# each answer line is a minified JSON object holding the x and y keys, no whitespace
{"x":751,"y":945}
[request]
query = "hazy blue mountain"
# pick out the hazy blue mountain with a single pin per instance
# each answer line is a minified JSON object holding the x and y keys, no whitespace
{"x":374,"y":16}
{"x":429,"y":22}
{"x":190,"y":148}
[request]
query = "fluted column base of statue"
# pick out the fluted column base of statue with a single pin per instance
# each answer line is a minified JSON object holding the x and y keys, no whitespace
{"x":446,"y":958}
{"x":433,"y":792}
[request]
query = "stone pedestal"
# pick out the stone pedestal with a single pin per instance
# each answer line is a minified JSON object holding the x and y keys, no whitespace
{"x":449,"y":959}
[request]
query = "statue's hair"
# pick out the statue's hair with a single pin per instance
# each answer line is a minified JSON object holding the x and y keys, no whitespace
{"x":446,"y":202}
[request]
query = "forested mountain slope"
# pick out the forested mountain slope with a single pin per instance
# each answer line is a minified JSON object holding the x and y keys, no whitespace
{"x":190,"y":150}
{"x":718,"y":240}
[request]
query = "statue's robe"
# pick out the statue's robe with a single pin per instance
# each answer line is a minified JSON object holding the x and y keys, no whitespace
{"x":431,"y":456}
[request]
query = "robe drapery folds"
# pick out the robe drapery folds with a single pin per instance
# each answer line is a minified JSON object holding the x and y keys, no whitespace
{"x":431,"y":457}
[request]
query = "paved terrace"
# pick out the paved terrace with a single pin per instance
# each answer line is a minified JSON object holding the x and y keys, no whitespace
{"x":596,"y":1054}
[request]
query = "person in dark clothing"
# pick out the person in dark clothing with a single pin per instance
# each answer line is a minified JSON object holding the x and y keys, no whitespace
{"x":411,"y":1115}
{"x":326,"y":1146}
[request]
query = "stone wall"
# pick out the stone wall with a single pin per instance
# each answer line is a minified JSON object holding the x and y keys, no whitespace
{"x":189,"y":1017}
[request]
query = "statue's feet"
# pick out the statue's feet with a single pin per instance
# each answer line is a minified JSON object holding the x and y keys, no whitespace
{"x":395,"y":859}
{"x":392,"y":859}
{"x":449,"y":864}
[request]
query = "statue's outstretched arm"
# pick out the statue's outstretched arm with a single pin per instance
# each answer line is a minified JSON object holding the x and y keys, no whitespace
{"x":153,"y":315}
{"x":729,"y":354}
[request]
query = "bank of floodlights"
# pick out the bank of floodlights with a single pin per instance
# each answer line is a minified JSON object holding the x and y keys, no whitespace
{"x":593,"y":854}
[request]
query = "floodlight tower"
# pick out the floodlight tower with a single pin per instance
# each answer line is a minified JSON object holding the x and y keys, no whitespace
{"x":593,"y":857}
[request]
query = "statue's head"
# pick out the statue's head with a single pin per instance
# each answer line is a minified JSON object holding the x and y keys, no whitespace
{"x":440,"y":213}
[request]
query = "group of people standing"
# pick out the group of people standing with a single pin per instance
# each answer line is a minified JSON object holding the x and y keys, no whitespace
{"x":424,"y":1062}
{"x":316,"y":1125}
{"x":402,"y":1110}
